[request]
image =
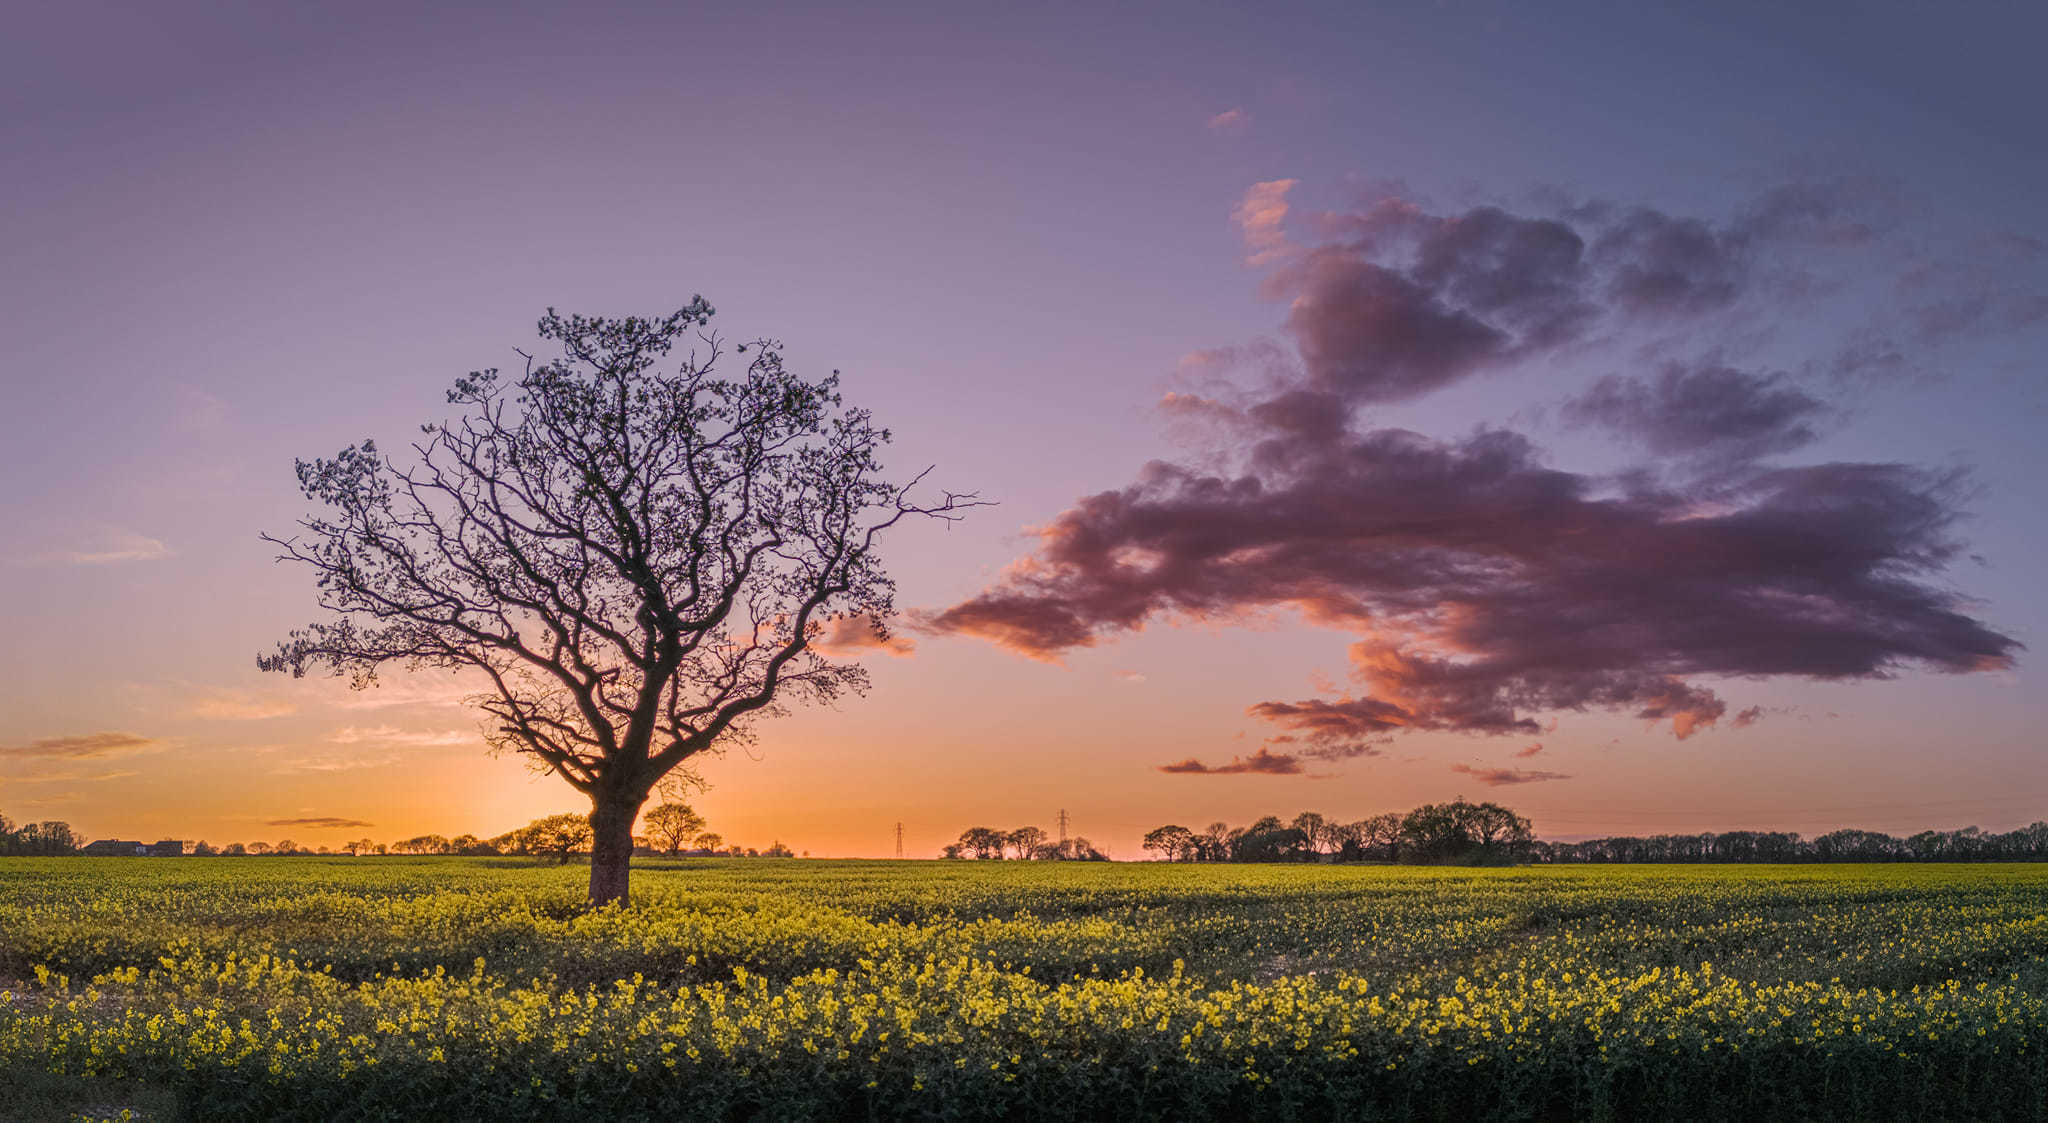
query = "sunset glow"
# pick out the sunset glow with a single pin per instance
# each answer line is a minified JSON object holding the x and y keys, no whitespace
{"x":1453,"y":400}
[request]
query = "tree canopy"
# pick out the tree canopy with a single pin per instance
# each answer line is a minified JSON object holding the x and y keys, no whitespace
{"x":631,"y":553}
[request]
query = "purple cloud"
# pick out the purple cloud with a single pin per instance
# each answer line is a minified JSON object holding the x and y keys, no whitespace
{"x":1262,"y":762}
{"x":1707,"y":412}
{"x":1484,"y":587}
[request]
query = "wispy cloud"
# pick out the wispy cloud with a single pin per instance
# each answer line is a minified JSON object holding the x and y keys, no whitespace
{"x":1261,"y":217}
{"x":1532,"y":750}
{"x":1495,"y":777}
{"x":83,"y":746}
{"x":1230,"y":121}
{"x":848,"y":637}
{"x":71,"y":776}
{"x":1263,"y":762}
{"x":397,"y":690}
{"x":327,"y":822}
{"x":351,"y":763}
{"x":236,"y":705}
{"x":120,"y":546}
{"x":393,"y":735}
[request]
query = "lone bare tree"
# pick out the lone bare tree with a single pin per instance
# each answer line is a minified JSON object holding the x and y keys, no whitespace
{"x":671,"y":826}
{"x":633,"y":553}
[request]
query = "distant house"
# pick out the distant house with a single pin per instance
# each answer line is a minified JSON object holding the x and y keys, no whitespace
{"x":120,"y":846}
{"x":170,"y":848}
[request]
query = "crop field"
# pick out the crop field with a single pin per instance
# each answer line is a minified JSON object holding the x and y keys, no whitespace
{"x":742,"y":989}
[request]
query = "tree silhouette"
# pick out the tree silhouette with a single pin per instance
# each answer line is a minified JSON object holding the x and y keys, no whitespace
{"x":1174,"y":842}
{"x":671,"y":826}
{"x":633,"y":554}
{"x":1316,"y":830}
{"x":1027,"y":842}
{"x":984,"y":842}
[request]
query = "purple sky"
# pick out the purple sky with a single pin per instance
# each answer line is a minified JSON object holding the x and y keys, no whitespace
{"x":1581,"y":313}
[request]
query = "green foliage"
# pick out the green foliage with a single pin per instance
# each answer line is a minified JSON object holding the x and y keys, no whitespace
{"x":471,"y":989}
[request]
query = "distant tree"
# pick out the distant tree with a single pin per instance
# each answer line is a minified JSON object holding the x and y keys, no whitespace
{"x":423,"y":844}
{"x":1437,"y":831}
{"x":671,"y":826}
{"x":636,"y":560}
{"x":48,"y":839}
{"x":1077,"y":849}
{"x":1316,"y":832}
{"x":1380,"y":835}
{"x":954,"y":851}
{"x":1268,"y":840}
{"x":259,"y":848}
{"x":710,"y":841}
{"x":777,"y":850}
{"x":1175,"y":843}
{"x":1856,"y":846}
{"x":560,"y":835}
{"x":1347,"y":839}
{"x":357,"y":847}
{"x":235,"y":850}
{"x":470,"y":845}
{"x":1026,"y":842}
{"x":1497,"y":830}
{"x":204,"y":849}
{"x":984,"y":842}
{"x":285,"y":846}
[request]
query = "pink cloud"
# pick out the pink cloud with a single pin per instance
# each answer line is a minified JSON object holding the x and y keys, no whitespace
{"x":1260,"y":216}
{"x":1495,"y":777}
{"x":1231,"y":121}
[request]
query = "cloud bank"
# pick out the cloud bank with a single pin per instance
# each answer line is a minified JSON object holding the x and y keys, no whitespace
{"x":1483,"y":586}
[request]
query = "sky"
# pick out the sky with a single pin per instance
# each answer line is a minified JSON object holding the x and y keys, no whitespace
{"x":1627,"y":414}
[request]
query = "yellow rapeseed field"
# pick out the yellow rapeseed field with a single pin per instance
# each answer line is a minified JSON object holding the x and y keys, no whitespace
{"x":740,"y":989}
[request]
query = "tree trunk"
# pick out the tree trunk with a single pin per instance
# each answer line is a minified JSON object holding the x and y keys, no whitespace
{"x":611,"y":847}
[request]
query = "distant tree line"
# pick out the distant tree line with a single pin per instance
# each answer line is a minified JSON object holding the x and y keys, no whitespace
{"x":1457,"y":831}
{"x":672,"y":828}
{"x":38,"y":839}
{"x":1970,"y":844}
{"x":1024,"y":843}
